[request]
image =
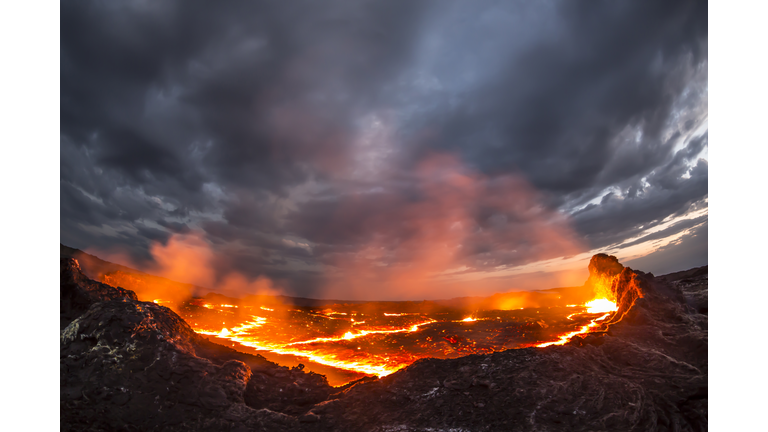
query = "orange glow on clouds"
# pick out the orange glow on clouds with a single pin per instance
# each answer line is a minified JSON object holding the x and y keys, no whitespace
{"x":417,"y":248}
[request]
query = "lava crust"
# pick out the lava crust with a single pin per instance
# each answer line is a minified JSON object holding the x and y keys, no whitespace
{"x":131,"y":365}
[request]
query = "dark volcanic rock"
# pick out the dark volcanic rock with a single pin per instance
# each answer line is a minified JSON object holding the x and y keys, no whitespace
{"x":78,"y":293}
{"x":693,"y":284}
{"x":647,"y":372}
{"x":130,"y":365}
{"x":627,"y":287}
{"x":603,"y":268}
{"x":604,"y":265}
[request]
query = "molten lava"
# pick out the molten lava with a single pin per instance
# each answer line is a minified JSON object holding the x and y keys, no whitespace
{"x":373,"y":342}
{"x":604,"y":306}
{"x":601,"y":306}
{"x":371,"y":365}
{"x":566,"y":337}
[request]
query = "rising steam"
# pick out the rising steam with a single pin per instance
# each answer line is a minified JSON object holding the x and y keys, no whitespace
{"x":188,"y":259}
{"x":458,"y":229}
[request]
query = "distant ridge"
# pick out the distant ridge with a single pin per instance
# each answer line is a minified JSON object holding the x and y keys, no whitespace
{"x":95,"y":268}
{"x":115,"y":274}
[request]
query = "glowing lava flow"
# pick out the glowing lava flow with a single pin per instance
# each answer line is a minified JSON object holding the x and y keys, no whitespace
{"x":604,"y":306}
{"x":373,"y":366}
{"x":350,"y":335}
{"x":331,"y":343}
{"x":566,"y":337}
{"x":601,"y":306}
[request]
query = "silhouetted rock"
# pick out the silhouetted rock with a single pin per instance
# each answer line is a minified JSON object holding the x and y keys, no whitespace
{"x":77,"y":292}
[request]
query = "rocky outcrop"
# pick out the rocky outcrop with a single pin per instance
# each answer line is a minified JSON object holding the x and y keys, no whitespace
{"x":622,"y":285}
{"x":603,"y":269}
{"x":77,"y":292}
{"x":627,"y":287}
{"x":693,"y":284}
{"x":130,"y":365}
{"x":647,"y":372}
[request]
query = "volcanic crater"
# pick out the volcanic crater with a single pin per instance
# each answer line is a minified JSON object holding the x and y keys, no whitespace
{"x":626,"y":351}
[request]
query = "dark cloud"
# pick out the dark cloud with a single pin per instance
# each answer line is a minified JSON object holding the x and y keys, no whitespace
{"x":174,"y":227}
{"x":295,"y":133}
{"x":669,"y":231}
{"x":691,"y":250}
{"x":555,"y":107}
{"x":626,"y":213}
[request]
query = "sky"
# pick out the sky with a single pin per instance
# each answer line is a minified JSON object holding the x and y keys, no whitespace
{"x":384,"y":149}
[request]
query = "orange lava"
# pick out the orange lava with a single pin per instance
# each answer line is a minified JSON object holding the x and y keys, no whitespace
{"x":371,"y":364}
{"x":566,"y":337}
{"x":331,"y":346}
{"x":604,"y":306}
{"x":350,"y":335}
{"x":601,"y":306}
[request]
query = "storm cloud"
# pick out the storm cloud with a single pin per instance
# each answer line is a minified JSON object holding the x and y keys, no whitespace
{"x":317,"y":143}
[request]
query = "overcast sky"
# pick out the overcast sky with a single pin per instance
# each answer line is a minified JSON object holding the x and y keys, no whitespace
{"x":388,"y":149}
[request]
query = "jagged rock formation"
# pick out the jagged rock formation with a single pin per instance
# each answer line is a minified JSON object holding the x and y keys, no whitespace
{"x":603,"y":269}
{"x":647,"y":372}
{"x":78,"y":292}
{"x":130,"y":365}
